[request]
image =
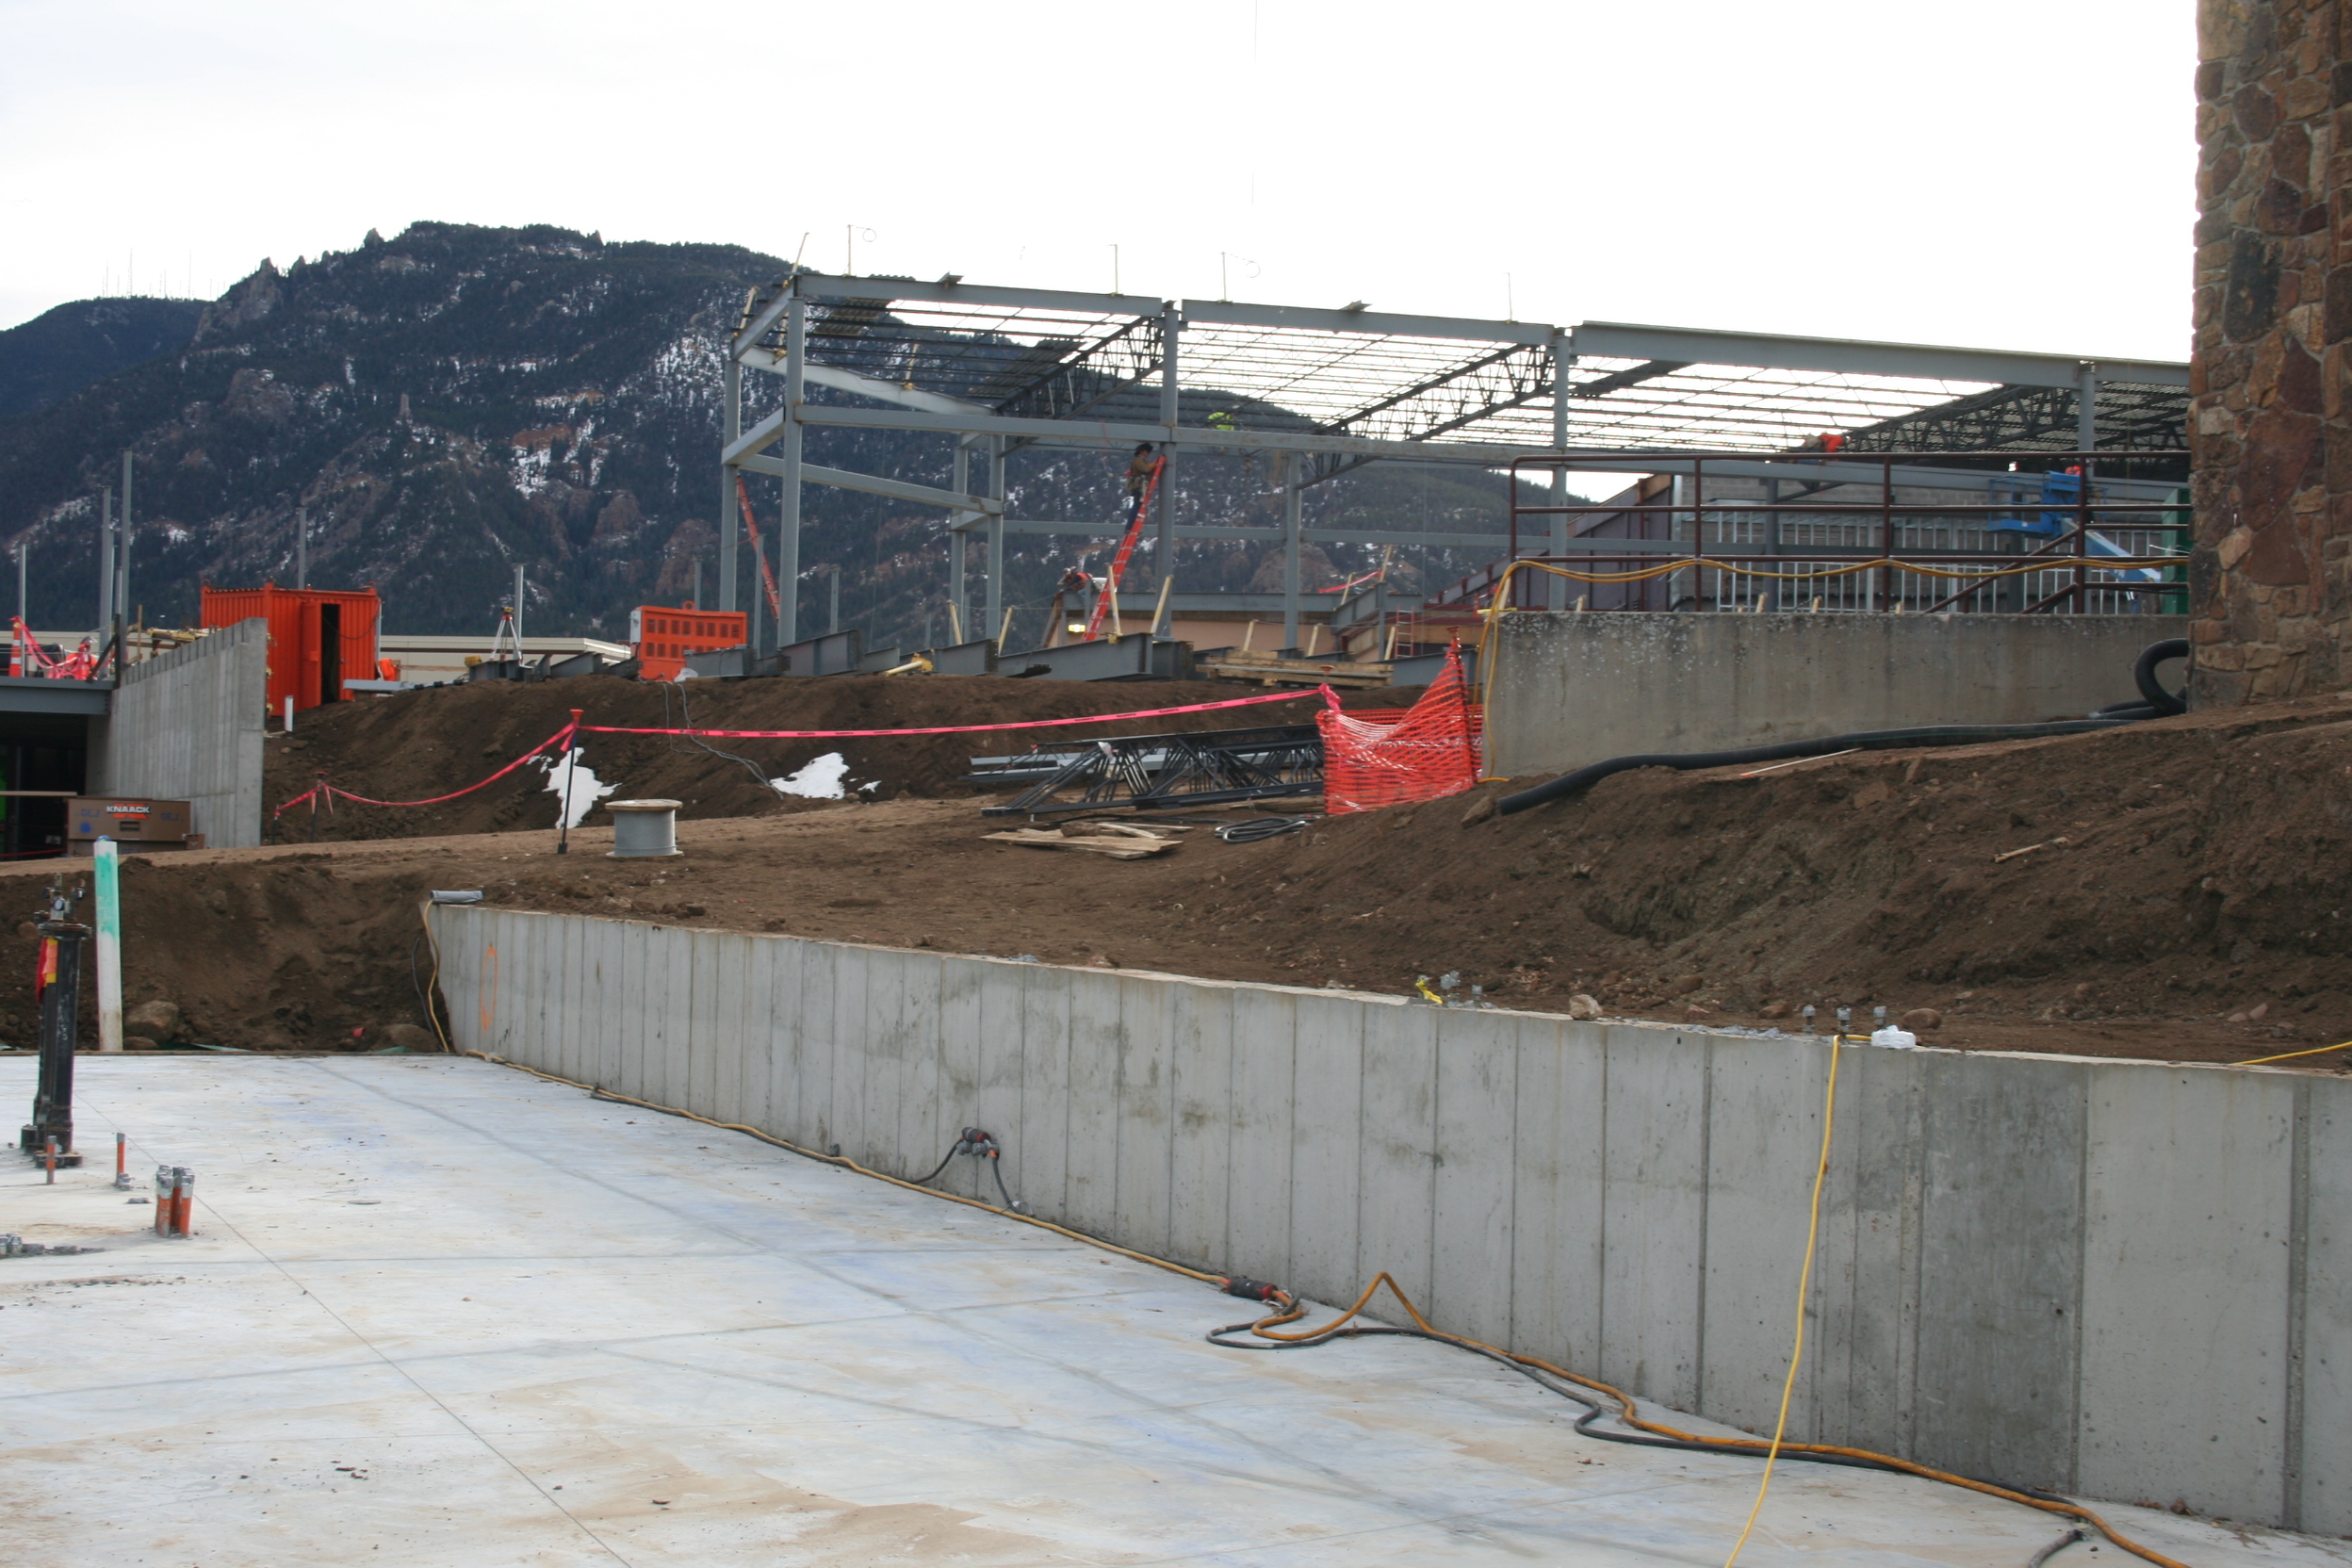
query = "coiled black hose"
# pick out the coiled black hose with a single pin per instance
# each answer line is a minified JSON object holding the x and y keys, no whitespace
{"x":2155,"y":699}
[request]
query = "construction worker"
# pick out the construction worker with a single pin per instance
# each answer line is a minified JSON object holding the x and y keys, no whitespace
{"x":1139,"y":470}
{"x":1221,"y":421}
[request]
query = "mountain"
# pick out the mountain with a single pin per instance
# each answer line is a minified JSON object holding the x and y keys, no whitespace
{"x":455,"y":401}
{"x":65,"y":350}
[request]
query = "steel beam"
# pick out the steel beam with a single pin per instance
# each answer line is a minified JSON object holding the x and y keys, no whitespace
{"x":1379,"y":323}
{"x":820,"y":286}
{"x":1171,"y":415}
{"x":1104,"y":433}
{"x":873,"y":484}
{"x":1837,"y":355}
{"x":817,"y":373}
{"x":1860,"y":471}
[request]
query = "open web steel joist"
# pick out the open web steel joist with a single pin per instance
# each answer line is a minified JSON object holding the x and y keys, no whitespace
{"x":1323,"y":391}
{"x":1204,"y":768}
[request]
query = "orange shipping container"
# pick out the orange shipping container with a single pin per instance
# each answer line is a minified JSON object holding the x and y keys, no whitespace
{"x":319,"y":637}
{"x":663,"y":635}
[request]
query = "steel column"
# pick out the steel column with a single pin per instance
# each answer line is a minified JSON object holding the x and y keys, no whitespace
{"x":1171,"y":408}
{"x":961,"y":483}
{"x":105,"y":560}
{"x":996,"y":538}
{"x":122,"y":561}
{"x":788,"y":526}
{"x":1556,"y":595}
{"x":301,"y":547}
{"x":731,"y":526}
{"x":1293,"y":517}
{"x":2085,"y":408}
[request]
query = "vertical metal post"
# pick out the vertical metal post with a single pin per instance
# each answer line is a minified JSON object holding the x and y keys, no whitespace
{"x":106,"y":880}
{"x":698,"y":604}
{"x":1172,"y":412}
{"x":833,"y":616}
{"x":788,"y":453}
{"x":1556,"y":598}
{"x":24,"y":607}
{"x":518,"y":613}
{"x":1771,"y":541}
{"x":996,"y":536}
{"x":105,"y":560}
{"x":755,"y":633}
{"x":122,"y":561}
{"x":958,"y":607}
{"x":1292,"y":513}
{"x":730,"y":526}
{"x":301,"y":547}
{"x":2086,"y":406}
{"x":1887,"y":530}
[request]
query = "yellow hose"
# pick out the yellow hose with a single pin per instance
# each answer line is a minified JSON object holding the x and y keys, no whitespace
{"x":1805,"y":1284}
{"x":2291,"y":1055}
{"x":1291,"y":1311}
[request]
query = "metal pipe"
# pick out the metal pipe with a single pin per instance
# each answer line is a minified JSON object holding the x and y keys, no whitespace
{"x":301,"y":547}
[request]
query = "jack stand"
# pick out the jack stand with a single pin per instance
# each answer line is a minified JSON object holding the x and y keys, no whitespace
{"x":60,"y":1008}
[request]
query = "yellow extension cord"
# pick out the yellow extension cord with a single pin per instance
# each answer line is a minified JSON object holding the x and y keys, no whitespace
{"x":1804,"y":1285}
{"x":1267,"y":1328}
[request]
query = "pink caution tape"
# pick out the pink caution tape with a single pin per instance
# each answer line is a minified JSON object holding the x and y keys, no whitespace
{"x":953,"y":728}
{"x":561,"y":740}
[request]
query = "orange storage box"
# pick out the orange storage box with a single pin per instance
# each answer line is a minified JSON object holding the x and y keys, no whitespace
{"x":661,"y":635}
{"x":319,"y":637}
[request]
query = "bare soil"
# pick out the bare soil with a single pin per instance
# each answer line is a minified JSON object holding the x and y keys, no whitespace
{"x":2181,"y":893}
{"x":428,"y":742}
{"x":2186,"y":901}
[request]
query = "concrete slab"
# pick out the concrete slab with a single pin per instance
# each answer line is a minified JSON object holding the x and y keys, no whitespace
{"x":444,"y":1314}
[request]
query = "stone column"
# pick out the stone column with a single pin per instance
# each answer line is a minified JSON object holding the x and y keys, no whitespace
{"x":2270,"y":581}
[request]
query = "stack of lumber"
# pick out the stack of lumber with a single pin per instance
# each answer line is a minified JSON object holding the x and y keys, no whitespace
{"x":1268,"y":669}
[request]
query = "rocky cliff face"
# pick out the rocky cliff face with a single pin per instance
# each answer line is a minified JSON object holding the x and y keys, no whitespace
{"x":456,"y":401}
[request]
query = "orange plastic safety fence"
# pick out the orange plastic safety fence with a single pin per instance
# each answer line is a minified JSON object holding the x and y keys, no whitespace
{"x":1376,"y":760}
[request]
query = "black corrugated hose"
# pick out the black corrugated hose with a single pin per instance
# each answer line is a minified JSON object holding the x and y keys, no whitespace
{"x":2155,"y":702}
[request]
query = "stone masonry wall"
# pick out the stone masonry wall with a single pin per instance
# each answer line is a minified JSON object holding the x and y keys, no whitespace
{"x":2271,"y":573}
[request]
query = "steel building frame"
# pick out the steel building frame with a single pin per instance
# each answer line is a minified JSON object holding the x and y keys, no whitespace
{"x":1326,"y":391}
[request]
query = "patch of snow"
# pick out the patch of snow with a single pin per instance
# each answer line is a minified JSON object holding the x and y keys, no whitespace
{"x":820,"y":780}
{"x":585,"y":790}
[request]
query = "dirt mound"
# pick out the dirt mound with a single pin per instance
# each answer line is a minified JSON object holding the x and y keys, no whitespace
{"x":423,"y":743}
{"x":2188,"y":867}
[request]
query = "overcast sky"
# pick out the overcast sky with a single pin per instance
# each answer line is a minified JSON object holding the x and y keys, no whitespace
{"x":2015,"y":173}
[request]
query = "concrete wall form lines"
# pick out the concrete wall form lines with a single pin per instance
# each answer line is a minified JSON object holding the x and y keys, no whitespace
{"x":1572,"y":689}
{"x":2126,"y":1280}
{"x":187,"y":726}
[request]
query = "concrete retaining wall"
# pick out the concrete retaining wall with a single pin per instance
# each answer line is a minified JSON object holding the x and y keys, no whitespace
{"x":1572,"y":689}
{"x":187,"y":726}
{"x":2122,"y":1280}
